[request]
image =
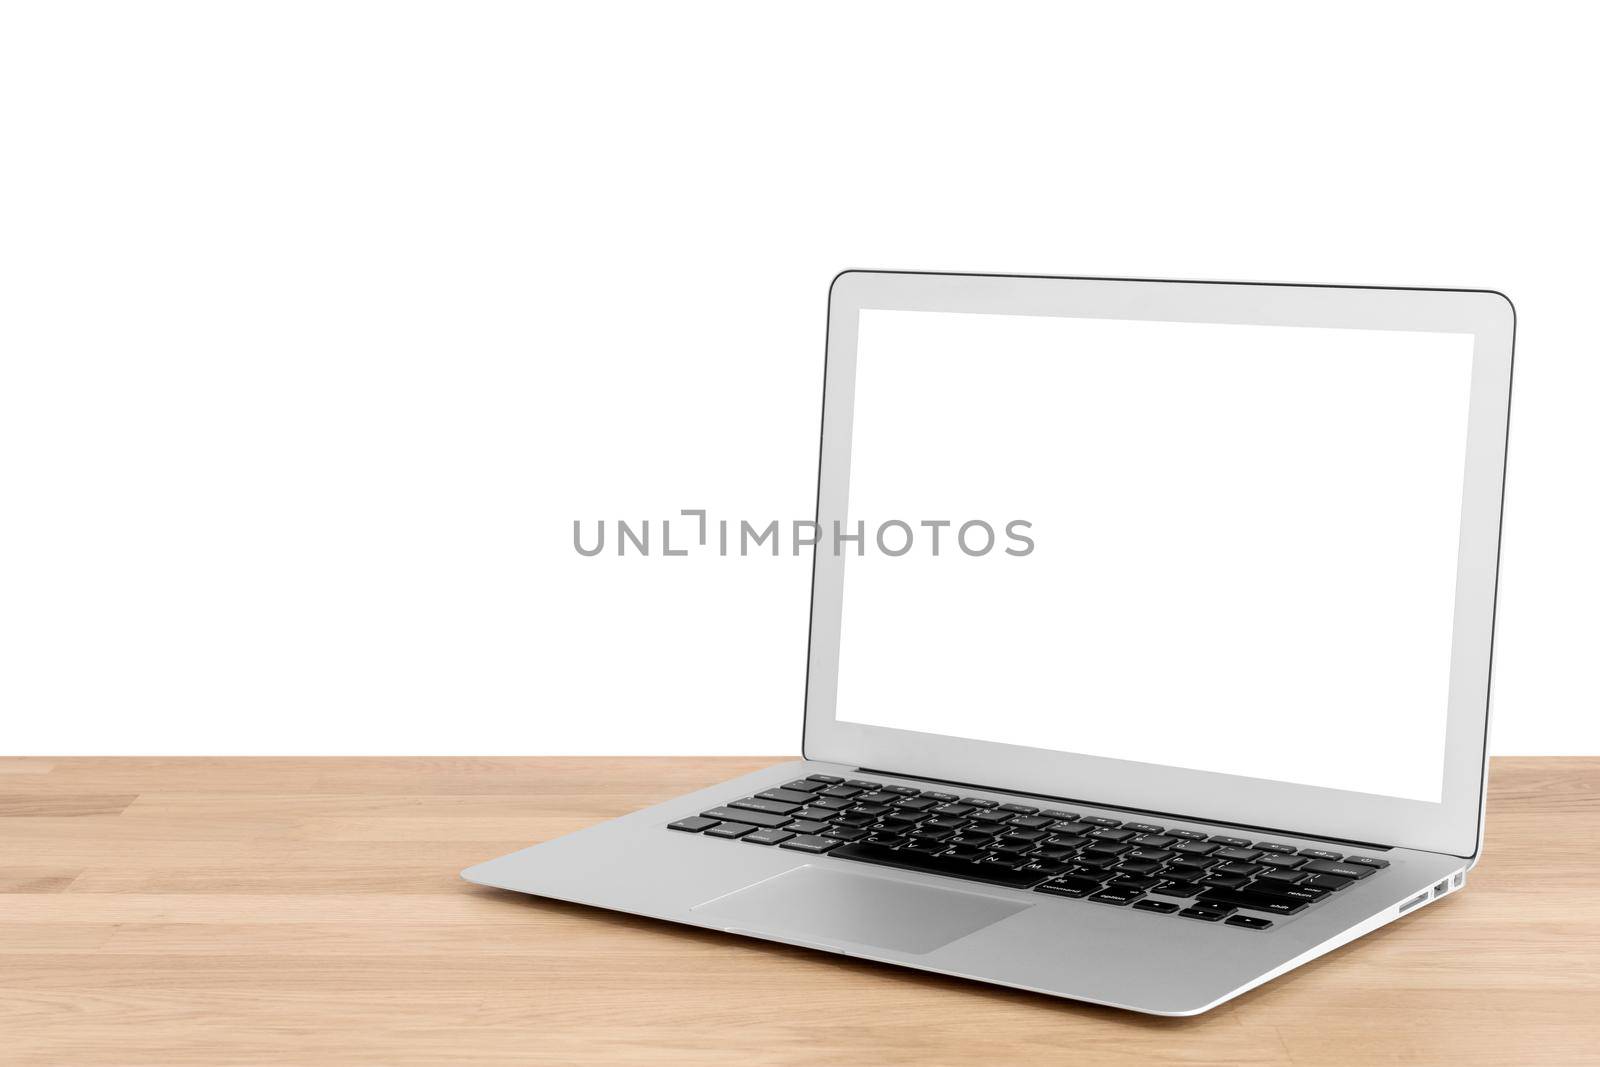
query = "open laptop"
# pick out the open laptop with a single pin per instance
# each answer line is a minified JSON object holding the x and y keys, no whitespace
{"x":1209,"y":698}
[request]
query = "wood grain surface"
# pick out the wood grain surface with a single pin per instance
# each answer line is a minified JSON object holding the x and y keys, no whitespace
{"x":307,"y":911}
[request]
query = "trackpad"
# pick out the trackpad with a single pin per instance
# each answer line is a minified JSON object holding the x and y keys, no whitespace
{"x":842,"y":905}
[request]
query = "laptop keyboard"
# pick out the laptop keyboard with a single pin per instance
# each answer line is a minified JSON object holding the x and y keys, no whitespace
{"x":1213,"y":878}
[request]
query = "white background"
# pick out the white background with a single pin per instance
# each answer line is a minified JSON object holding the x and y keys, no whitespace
{"x":1244,"y":554}
{"x":321,"y":322}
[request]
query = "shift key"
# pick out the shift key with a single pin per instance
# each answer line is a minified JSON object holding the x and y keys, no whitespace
{"x":1244,"y":898}
{"x":754,"y":818}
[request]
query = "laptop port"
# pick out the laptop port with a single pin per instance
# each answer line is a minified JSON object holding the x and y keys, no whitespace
{"x":1420,"y":898}
{"x":1442,"y":888}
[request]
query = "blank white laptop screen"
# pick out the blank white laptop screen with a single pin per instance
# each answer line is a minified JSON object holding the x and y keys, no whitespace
{"x":1243,"y":541}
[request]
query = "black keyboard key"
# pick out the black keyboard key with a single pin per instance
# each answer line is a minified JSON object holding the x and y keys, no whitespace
{"x":1236,"y":842}
{"x":903,"y":790}
{"x":1165,"y":907}
{"x":1099,"y":820}
{"x":970,"y":853}
{"x":1066,"y":840}
{"x":1282,"y":863}
{"x":1268,"y":846}
{"x":1056,"y":813}
{"x":1134,"y":881}
{"x":999,"y":860}
{"x":1330,"y":882}
{"x":692,"y":825}
{"x":1069,"y":886}
{"x":1105,"y":848}
{"x":1008,"y":847}
{"x":1076,"y":829}
{"x":878,"y":797}
{"x":1104,"y":834}
{"x":806,"y":826}
{"x":1235,"y":870}
{"x":1255,"y":901}
{"x":785,"y":796}
{"x":982,"y":871}
{"x":842,"y":833}
{"x":990,"y":818}
{"x":1019,"y":809}
{"x":1053,"y":852}
{"x":1367,"y":861}
{"x":771,"y":807}
{"x":768,"y":837}
{"x":1177,"y":887}
{"x":1191,"y":871}
{"x":754,"y":818}
{"x":871,"y":809}
{"x":805,"y":785}
{"x":1195,"y":848}
{"x":1142,"y":827}
{"x":1032,"y":822}
{"x":1321,"y":854}
{"x":808,"y":843}
{"x":1279,"y":877}
{"x":1141,"y":851}
{"x":830,"y":803}
{"x":730,"y":829}
{"x":815,"y":813}
{"x":1241,"y":855}
{"x":1249,"y":922}
{"x":1094,"y":860}
{"x":1117,"y":895}
{"x":916,"y":804}
{"x":969,"y":839}
{"x":943,"y":798}
{"x":903,"y":820}
{"x":923,"y":845}
{"x":846,"y":791}
{"x":854,"y":818}
{"x":1031,"y":836}
{"x":944,"y":824}
{"x":954,"y":809}
{"x":1222,"y":881}
{"x":825,"y":779}
{"x":1213,"y":907}
{"x":1202,"y":915}
{"x":1187,"y":835}
{"x":1156,"y":841}
{"x":1343,"y":870}
{"x":1137,"y":866}
{"x":932,"y":833}
{"x":1044,"y":866}
{"x":978,"y":802}
{"x":859,"y":784}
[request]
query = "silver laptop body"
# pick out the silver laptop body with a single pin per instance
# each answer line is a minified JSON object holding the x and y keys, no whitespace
{"x":1297,"y":753}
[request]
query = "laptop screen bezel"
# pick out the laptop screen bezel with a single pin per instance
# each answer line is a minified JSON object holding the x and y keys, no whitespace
{"x":1452,"y":826}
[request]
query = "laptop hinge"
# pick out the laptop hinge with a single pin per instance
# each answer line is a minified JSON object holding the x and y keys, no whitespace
{"x":1131,"y":810}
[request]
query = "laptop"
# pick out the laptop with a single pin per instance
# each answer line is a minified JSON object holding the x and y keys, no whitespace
{"x":1150,"y":641}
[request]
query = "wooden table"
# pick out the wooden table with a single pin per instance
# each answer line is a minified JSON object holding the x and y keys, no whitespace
{"x":299,"y":911}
